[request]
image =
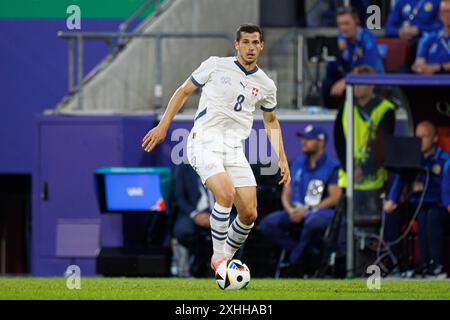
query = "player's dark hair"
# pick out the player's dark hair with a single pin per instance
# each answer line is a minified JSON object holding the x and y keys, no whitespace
{"x":348,"y":10}
{"x":249,"y":28}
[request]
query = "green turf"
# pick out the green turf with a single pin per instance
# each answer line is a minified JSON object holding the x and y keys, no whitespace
{"x":199,"y":289}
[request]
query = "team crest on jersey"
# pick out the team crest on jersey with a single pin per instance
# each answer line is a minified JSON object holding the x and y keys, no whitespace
{"x":428,"y":6}
{"x":436,"y":169}
{"x":255,"y":92}
{"x":226,"y":80}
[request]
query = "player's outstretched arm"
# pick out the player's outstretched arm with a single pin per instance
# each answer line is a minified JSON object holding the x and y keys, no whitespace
{"x":157,"y":135}
{"x":273,"y":131}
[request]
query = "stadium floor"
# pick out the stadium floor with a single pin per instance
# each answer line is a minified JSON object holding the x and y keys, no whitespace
{"x":201,"y":289}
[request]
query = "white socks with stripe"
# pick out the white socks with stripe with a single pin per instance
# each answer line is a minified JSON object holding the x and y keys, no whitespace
{"x":226,"y":239}
{"x":237,"y":234}
{"x":219,"y":219}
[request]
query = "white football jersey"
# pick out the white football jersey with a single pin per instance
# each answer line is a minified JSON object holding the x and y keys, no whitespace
{"x":229,"y":97}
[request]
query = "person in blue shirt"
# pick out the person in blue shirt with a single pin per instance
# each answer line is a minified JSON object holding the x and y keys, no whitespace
{"x":433,"y":53}
{"x":409,"y":19}
{"x":308,"y":201}
{"x":434,"y":215}
{"x":357,"y":46}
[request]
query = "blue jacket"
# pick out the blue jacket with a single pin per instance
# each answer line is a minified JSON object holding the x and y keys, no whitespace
{"x":434,"y":47}
{"x":438,"y":190}
{"x":424,"y":14}
{"x":326,"y":170}
{"x":364,"y":51}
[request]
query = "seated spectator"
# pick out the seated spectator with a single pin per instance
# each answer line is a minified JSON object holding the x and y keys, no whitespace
{"x":433,"y":217}
{"x":409,"y":19}
{"x":191,"y":227}
{"x":374,"y":119}
{"x":357,"y":46}
{"x":433,"y":54}
{"x":308,"y":201}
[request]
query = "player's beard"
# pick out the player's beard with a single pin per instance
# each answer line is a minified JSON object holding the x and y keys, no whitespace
{"x":247,"y":62}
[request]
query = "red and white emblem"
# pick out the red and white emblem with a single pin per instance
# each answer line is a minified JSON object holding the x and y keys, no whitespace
{"x":255,"y":92}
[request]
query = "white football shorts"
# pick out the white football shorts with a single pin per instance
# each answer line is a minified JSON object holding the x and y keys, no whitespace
{"x":209,"y":156}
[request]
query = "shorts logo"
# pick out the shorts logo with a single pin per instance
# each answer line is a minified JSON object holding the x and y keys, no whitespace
{"x":255,"y":92}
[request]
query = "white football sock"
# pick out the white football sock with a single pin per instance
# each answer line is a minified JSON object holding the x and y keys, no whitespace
{"x":220,"y":219}
{"x":237,"y":234}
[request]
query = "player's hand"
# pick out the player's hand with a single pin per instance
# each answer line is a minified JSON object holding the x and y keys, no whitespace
{"x":202,"y":220}
{"x":338,"y":88}
{"x":285,"y":173}
{"x":154,"y":137}
{"x":389,"y":206}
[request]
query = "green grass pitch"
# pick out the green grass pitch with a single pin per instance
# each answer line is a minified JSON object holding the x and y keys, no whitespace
{"x":200,"y":289}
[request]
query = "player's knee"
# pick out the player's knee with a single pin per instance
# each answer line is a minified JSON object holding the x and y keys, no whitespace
{"x":248,"y":215}
{"x":225,"y":197}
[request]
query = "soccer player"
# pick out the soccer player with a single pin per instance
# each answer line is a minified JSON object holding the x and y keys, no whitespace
{"x":231,"y":89}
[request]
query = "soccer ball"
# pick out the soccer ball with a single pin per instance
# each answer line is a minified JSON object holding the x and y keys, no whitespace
{"x":232,"y":275}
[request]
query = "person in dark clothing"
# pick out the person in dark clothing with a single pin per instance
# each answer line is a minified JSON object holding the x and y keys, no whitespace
{"x":433,"y":195}
{"x":374,"y":119}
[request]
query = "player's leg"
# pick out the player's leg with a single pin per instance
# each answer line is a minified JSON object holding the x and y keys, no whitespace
{"x":209,"y":166}
{"x":240,"y":172}
{"x":221,"y":186}
{"x":245,"y":202}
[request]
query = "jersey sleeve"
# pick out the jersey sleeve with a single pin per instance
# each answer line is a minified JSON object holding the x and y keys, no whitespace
{"x":371,"y":55}
{"x":423,"y":46}
{"x":269,"y":101}
{"x":396,"y":188}
{"x":334,"y":175}
{"x":202,"y":74}
{"x":394,"y":20}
